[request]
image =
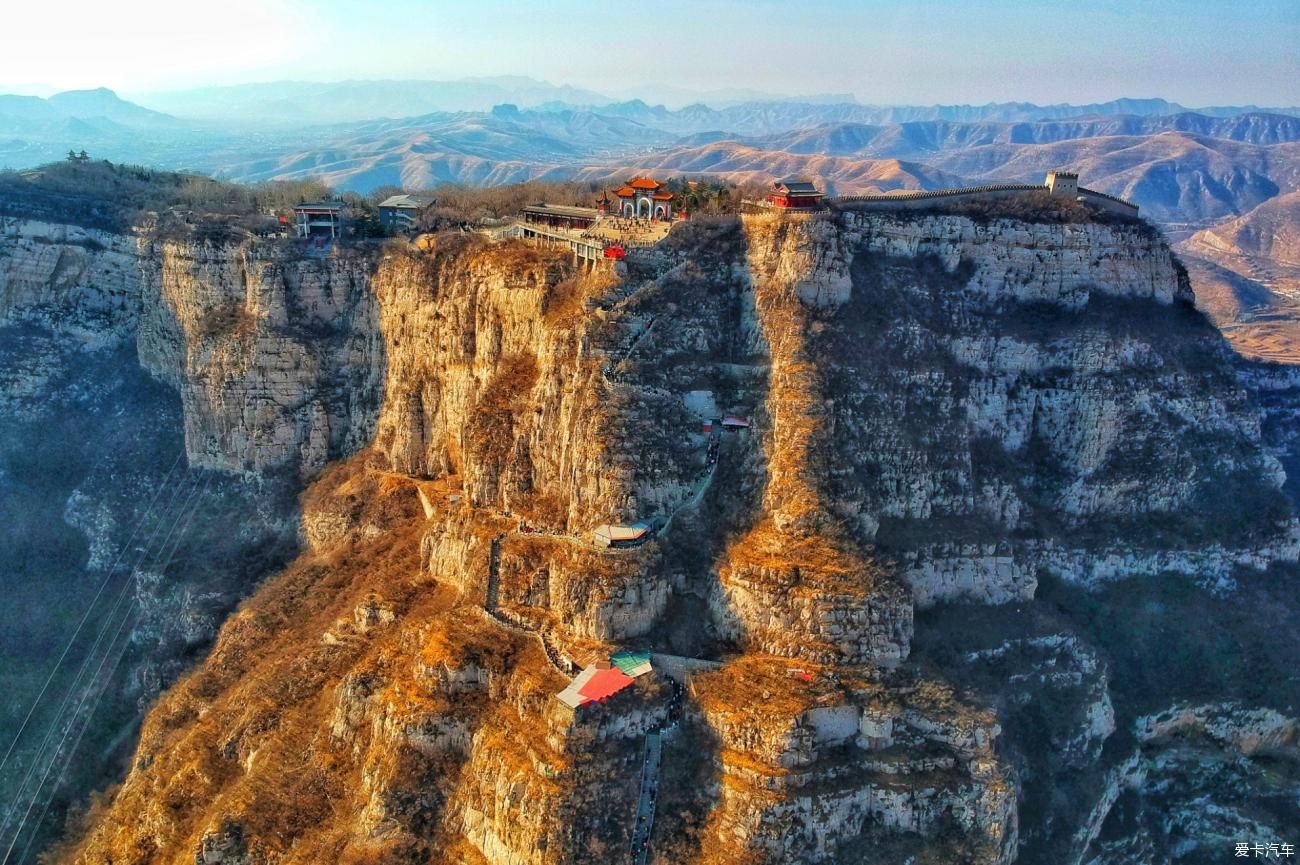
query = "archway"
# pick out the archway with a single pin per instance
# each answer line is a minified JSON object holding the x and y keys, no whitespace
{"x":628,"y":209}
{"x":646,"y":202}
{"x":660,"y":213}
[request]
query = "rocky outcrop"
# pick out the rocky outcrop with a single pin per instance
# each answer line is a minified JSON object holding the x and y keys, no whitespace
{"x":276,"y":357}
{"x":275,"y":354}
{"x":940,"y":410}
{"x":82,"y":283}
{"x":811,"y":761}
{"x":1059,"y":668}
{"x":1001,"y":390}
{"x":1197,"y":785}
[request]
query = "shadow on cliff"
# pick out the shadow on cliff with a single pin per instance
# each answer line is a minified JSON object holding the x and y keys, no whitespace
{"x":87,"y":499}
{"x":689,"y":784}
{"x":735,"y":371}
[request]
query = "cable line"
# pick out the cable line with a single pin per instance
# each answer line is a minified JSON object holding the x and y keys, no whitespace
{"x":71,"y":640}
{"x":58,"y":720}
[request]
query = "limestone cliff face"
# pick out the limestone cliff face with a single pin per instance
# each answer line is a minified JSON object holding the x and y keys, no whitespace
{"x":940,"y":409}
{"x":490,"y":379}
{"x":276,"y":356}
{"x":83,"y":282}
{"x":1010,"y":397}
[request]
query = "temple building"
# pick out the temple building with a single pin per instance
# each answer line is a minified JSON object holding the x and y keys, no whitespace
{"x":794,"y":193}
{"x":319,"y":219}
{"x":645,"y":198}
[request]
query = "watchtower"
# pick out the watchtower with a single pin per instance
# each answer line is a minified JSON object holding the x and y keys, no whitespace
{"x":1063,"y":183}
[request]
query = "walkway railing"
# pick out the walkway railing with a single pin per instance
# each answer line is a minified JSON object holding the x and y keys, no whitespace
{"x":769,"y":207}
{"x":582,"y":247}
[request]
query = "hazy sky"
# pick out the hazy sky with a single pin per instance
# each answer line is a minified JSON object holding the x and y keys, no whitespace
{"x":1197,"y":52}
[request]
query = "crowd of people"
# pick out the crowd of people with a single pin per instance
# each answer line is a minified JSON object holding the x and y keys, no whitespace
{"x":650,"y":777}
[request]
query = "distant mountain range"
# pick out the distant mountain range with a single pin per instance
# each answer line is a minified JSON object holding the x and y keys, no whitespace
{"x":1246,"y":273}
{"x":77,"y":112}
{"x":1224,"y":182}
{"x":1182,"y":167}
{"x":283,"y":103}
{"x":738,"y":111}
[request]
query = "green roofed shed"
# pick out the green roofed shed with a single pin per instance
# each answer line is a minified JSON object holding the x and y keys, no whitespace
{"x":632,"y":663}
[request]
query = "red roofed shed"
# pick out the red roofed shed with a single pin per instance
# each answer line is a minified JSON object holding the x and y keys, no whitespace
{"x":604,"y":684}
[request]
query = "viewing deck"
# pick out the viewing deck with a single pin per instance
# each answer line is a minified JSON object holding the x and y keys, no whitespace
{"x":587,"y":244}
{"x":1059,"y":184}
{"x":922,"y":199}
{"x":749,"y":205}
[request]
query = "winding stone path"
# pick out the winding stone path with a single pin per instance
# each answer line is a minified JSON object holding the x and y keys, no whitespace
{"x":492,"y":608}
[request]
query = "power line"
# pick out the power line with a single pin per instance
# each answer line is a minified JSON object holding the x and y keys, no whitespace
{"x":57,"y":722}
{"x":77,"y":717}
{"x":95,"y":600}
{"x":101,"y":682}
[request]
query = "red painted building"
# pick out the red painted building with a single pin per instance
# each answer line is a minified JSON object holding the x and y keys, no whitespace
{"x":794,"y":193}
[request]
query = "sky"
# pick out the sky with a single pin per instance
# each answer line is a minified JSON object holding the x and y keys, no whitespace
{"x":1194,"y":52}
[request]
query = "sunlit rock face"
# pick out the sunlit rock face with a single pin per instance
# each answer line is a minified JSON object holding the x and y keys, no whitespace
{"x":277,"y":357}
{"x":937,"y":409}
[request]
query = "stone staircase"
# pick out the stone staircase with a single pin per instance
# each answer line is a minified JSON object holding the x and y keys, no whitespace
{"x":645,"y":806}
{"x":491,"y":606}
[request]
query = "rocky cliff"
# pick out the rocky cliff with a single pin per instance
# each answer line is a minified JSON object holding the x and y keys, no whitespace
{"x":276,"y":357}
{"x":941,"y":409}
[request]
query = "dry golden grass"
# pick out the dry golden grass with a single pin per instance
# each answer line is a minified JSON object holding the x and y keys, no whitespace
{"x":544,"y":509}
{"x":464,"y":635}
{"x":246,"y":735}
{"x":519,"y":257}
{"x":764,"y":690}
{"x":804,"y":564}
{"x":508,"y":389}
{"x":1274,"y":341}
{"x":565,"y":304}
{"x":462,"y":852}
{"x":228,"y":321}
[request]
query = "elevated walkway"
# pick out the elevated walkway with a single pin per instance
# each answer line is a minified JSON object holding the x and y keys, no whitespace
{"x":587,"y":244}
{"x":925,"y":199}
{"x":583,"y":248}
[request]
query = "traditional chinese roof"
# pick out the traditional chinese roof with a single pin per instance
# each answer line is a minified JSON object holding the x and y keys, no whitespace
{"x":604,"y":684}
{"x":562,"y":210}
{"x":593,"y":685}
{"x":644,"y":183}
{"x":625,"y":192}
{"x":662,"y":196}
{"x":796,"y":187}
{"x":632,"y":532}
